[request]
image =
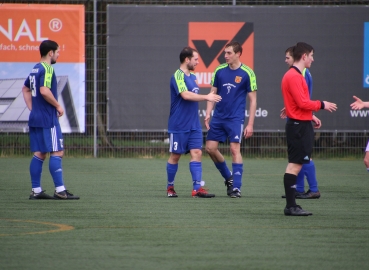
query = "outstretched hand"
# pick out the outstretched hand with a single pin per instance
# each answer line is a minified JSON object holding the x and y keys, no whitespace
{"x":358,"y":104}
{"x":213,"y":97}
{"x":329,"y":106}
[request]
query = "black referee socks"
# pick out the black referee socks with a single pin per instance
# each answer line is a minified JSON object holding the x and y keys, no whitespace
{"x":289,"y":181}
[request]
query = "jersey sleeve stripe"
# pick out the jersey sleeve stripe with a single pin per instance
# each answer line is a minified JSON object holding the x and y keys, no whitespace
{"x":179,"y":79}
{"x":252,"y":76}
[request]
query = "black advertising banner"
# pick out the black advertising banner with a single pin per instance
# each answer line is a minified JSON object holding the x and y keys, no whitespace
{"x":144,"y":43}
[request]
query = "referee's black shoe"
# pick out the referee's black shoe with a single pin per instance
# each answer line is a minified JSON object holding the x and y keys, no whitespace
{"x":296,"y":211}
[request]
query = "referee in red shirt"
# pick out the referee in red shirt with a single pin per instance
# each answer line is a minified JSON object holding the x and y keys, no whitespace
{"x":299,"y":128}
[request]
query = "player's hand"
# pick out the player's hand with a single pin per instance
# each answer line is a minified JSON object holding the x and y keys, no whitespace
{"x":207,"y":120}
{"x":60,"y":110}
{"x":213,"y":97}
{"x":248,"y":132}
{"x":283,"y":114}
{"x":317,"y":122}
{"x":329,"y":106}
{"x":358,"y":104}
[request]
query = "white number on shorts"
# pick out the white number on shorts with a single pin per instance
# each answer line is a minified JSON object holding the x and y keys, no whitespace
{"x":175,"y":145}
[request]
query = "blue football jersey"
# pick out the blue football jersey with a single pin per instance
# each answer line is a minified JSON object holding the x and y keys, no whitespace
{"x":184,"y":114}
{"x":232,"y":86}
{"x":309,"y":80}
{"x":43,"y":114}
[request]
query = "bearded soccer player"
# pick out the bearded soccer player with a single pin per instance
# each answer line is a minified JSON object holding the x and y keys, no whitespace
{"x":299,"y":129}
{"x":41,"y":97}
{"x":184,"y":128}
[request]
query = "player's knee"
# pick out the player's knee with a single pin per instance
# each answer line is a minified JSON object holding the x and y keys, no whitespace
{"x":366,"y":162}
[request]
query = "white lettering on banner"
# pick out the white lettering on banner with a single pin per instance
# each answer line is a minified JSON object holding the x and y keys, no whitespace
{"x":5,"y":47}
{"x":204,"y":77}
{"x":258,"y":113}
{"x":24,"y":30}
{"x":359,"y":113}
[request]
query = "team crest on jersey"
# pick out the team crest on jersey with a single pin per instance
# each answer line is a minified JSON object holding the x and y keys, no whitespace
{"x":238,"y":79}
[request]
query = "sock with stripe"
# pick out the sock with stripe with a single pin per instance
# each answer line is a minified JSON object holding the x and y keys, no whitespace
{"x":196,"y":172}
{"x":35,"y":170}
{"x":309,"y":170}
{"x":56,"y":170}
{"x":171,"y":174}
{"x":223,"y":169}
{"x":237,"y":169}
{"x":289,"y":181}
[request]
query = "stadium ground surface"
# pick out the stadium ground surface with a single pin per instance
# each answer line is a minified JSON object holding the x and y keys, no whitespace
{"x":125,"y":221}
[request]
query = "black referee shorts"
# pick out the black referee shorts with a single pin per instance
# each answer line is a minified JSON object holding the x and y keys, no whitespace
{"x":300,"y":139}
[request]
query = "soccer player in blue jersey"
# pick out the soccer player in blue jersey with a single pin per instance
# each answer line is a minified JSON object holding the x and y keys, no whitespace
{"x":41,"y":97}
{"x":233,"y":81}
{"x":308,"y":169}
{"x":184,"y":128}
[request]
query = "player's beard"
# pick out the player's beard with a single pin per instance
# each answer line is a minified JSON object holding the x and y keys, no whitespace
{"x":190,"y":67}
{"x":53,"y":61}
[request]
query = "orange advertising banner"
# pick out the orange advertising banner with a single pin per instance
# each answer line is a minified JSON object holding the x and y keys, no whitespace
{"x":24,"y":26}
{"x":209,"y":38}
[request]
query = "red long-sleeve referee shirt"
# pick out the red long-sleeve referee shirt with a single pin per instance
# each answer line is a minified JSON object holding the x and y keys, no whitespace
{"x":296,"y":96}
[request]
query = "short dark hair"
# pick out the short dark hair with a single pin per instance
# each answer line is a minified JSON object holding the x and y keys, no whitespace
{"x":300,"y":49}
{"x":46,"y":46}
{"x":186,"y":52}
{"x":235,"y":45}
{"x":290,"y":50}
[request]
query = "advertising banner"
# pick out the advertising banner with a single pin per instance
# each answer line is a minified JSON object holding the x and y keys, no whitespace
{"x":22,"y":28}
{"x":144,"y":43}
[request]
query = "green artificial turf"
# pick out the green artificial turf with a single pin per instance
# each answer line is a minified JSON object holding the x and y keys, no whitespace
{"x":125,"y":221}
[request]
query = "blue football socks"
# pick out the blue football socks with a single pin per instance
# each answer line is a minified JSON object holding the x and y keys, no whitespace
{"x":196,"y":172}
{"x":223,"y":169}
{"x":309,"y":170}
{"x":237,"y":169}
{"x":56,"y":171}
{"x":171,"y":173}
{"x":35,"y":170}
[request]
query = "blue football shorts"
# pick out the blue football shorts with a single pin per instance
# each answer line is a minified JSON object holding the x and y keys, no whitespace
{"x":220,"y":131}
{"x":46,"y":140}
{"x":182,"y":143}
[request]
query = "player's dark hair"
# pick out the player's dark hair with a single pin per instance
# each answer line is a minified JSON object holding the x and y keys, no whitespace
{"x":46,"y":46}
{"x":290,"y":50}
{"x":236,"y":46}
{"x":300,"y":49}
{"x":186,"y":52}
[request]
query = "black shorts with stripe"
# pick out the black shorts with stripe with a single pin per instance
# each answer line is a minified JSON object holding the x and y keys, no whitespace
{"x":300,"y":139}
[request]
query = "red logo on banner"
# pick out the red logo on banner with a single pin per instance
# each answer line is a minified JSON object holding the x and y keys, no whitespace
{"x":209,"y":39}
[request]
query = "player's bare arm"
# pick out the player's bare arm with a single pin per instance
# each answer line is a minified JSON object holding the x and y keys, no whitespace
{"x":27,"y":95}
{"x":209,"y":108}
{"x":359,"y":104}
{"x":212,"y":97}
{"x":249,"y":129}
{"x":49,"y":97}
